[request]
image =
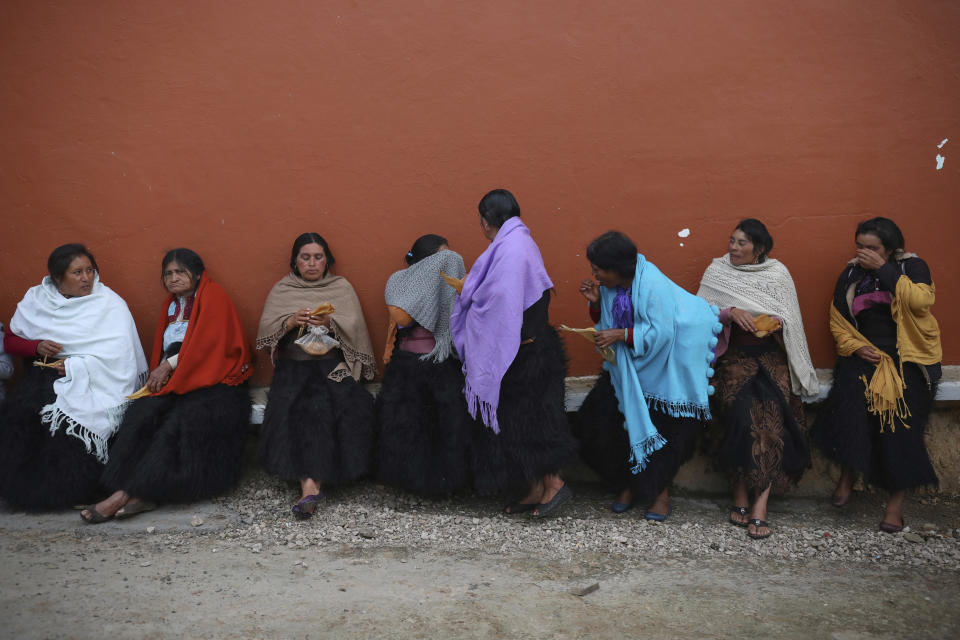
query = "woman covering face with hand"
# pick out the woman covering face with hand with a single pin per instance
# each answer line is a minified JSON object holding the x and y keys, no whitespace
{"x":888,"y":365}
{"x":57,"y":424}
{"x":318,"y":424}
{"x":183,"y":441}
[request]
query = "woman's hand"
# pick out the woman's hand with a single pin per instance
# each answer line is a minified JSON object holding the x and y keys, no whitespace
{"x":590,"y":290}
{"x":62,"y":368}
{"x":743,"y":319}
{"x":303,"y":318}
{"x":49,"y":348}
{"x":607,"y":337}
{"x":869,"y":259}
{"x":159,"y":377}
{"x":869,"y":354}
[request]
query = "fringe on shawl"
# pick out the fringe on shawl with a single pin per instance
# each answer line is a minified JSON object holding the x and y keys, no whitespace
{"x":488,"y":411}
{"x":95,"y":444}
{"x":640,"y":453}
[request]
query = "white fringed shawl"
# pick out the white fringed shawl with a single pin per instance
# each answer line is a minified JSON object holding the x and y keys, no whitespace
{"x":765,"y":288}
{"x":104,"y":360}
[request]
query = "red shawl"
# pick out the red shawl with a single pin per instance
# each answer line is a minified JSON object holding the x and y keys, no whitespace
{"x":214,"y":350}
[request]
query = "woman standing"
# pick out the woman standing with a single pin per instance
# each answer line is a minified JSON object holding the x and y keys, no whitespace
{"x":761,"y":374}
{"x":184,"y":441}
{"x":423,"y":425}
{"x":641,"y":420}
{"x":514,"y":365}
{"x":318,"y":425}
{"x":57,"y":423}
{"x":888,"y":365}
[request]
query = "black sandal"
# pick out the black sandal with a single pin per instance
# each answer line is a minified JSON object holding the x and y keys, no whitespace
{"x":757,"y":522}
{"x":742,"y":512}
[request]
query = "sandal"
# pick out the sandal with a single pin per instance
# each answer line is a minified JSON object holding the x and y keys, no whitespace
{"x":95,"y":516}
{"x":546,"y":508}
{"x":757,"y":522}
{"x":658,"y":517}
{"x":304,"y":509}
{"x":514,"y":508}
{"x":140,"y":506}
{"x":743,"y":512}
{"x":886,"y":527}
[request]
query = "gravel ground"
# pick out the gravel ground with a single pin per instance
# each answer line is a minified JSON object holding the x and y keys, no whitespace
{"x":375,"y":561}
{"x":370,"y":515}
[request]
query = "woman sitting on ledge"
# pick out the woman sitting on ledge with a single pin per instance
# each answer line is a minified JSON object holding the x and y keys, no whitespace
{"x":318,"y":425}
{"x":888,"y":365}
{"x":58,"y":421}
{"x":761,"y":374}
{"x":184,"y":441}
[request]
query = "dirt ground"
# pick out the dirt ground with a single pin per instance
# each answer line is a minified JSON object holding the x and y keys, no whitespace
{"x":62,"y":579}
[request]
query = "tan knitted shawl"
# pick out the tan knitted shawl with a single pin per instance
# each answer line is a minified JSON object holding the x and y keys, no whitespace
{"x":347,"y":324}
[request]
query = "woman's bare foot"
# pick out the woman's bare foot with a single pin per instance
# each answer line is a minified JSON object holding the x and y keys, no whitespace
{"x":309,"y":487}
{"x":551,"y":485}
{"x":106,"y":508}
{"x":841,"y":494}
{"x":525,"y":503}
{"x":661,"y":504}
{"x":759,"y":512}
{"x":893,"y":514}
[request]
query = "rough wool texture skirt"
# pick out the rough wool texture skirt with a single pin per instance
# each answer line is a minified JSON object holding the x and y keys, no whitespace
{"x":762,"y":436}
{"x":423,"y":426}
{"x":850,"y":436}
{"x":605,"y":446}
{"x":38,"y":471}
{"x":180,"y":448}
{"x":314,"y":427}
{"x":535,"y":438}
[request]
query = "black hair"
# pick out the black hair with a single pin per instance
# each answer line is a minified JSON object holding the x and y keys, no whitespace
{"x":497,"y":207}
{"x":61,"y":257}
{"x":759,"y":236}
{"x":423,"y":247}
{"x":613,"y":251}
{"x":310,"y":238}
{"x":186,"y":258}
{"x":885,"y":229}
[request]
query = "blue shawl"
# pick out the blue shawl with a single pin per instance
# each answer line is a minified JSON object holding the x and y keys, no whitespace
{"x":668,"y":367}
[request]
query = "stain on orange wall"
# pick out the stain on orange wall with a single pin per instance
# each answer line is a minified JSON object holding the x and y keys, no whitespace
{"x":231,"y":127}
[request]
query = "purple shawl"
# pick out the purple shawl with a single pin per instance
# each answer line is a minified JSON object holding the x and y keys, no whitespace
{"x":506,"y":279}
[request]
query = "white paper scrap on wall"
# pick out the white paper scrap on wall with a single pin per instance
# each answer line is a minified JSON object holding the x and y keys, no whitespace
{"x":684,"y":233}
{"x":940,"y":160}
{"x":943,"y":142}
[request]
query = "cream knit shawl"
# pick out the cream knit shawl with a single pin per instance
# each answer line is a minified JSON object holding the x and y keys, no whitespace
{"x":765,"y":288}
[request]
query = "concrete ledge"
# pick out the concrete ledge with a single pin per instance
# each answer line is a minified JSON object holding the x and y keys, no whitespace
{"x":579,"y":386}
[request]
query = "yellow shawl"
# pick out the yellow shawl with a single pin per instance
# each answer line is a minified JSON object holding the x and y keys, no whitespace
{"x":918,"y":340}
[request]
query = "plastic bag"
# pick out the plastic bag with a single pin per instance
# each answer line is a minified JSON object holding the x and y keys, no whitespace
{"x":316,"y":341}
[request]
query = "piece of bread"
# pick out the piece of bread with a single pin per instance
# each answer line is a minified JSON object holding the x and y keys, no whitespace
{"x":765,"y":325}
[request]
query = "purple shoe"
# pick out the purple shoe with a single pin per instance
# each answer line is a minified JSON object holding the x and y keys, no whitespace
{"x":304,"y":509}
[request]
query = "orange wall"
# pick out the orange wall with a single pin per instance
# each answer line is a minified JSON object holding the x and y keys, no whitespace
{"x":230,"y":127}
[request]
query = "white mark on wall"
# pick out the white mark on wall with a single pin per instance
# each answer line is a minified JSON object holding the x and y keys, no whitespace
{"x":940,"y":160}
{"x":221,"y":220}
{"x":684,"y":233}
{"x":943,"y":142}
{"x":681,"y":244}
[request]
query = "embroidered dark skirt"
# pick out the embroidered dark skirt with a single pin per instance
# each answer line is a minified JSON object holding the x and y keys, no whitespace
{"x":850,"y":436}
{"x":423,"y":426}
{"x":314,"y":427}
{"x":535,"y":438}
{"x":605,"y":445}
{"x":40,"y":472}
{"x":180,"y":448}
{"x":762,"y":429}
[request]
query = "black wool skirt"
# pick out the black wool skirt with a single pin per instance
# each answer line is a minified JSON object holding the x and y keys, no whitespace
{"x":423,"y":426}
{"x":762,"y":436}
{"x":314,"y":427}
{"x":605,"y":444}
{"x":535,"y":438}
{"x":40,"y":472}
{"x":849,"y":435}
{"x":180,"y":448}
